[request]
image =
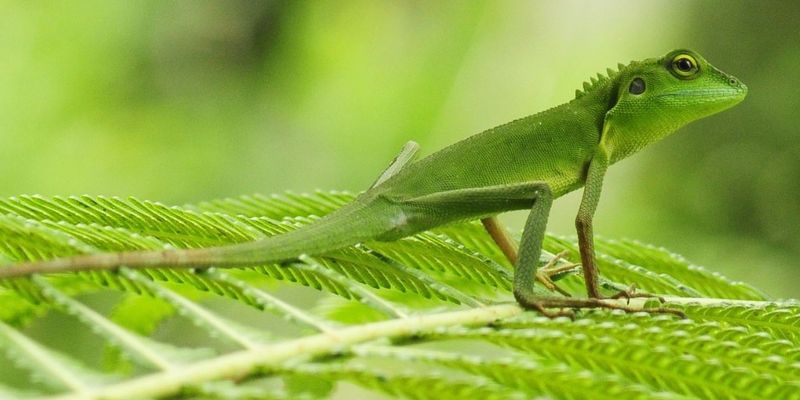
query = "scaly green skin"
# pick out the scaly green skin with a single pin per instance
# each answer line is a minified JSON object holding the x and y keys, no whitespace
{"x":524,"y":164}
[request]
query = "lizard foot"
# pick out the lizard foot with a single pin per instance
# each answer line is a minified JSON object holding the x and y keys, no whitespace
{"x":545,"y":306}
{"x":549,"y":270}
{"x":631,"y":293}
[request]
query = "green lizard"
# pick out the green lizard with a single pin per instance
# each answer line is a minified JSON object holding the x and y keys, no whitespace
{"x":524,"y":164}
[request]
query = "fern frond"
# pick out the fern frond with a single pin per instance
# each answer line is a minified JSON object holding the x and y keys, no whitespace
{"x":412,"y":384}
{"x":267,"y":301}
{"x":173,"y":225}
{"x":620,"y":271}
{"x":429,"y":253}
{"x":216,"y":325}
{"x":64,"y":238}
{"x":230,"y":391}
{"x":702,"y":338}
{"x":179,"y":228}
{"x":365,"y":296}
{"x":473,"y":236}
{"x":665,"y":366}
{"x":660,"y":260}
{"x":279,"y":206}
{"x":781,"y":321}
{"x":141,"y":313}
{"x":129,"y":342}
{"x":46,"y":366}
{"x":415,"y":318}
{"x":523,"y":374}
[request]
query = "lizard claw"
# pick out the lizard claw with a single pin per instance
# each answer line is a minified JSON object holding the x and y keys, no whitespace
{"x":631,"y":292}
{"x":549,"y":270}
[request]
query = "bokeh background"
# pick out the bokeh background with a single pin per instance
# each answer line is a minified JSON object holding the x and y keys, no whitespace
{"x":182,"y":101}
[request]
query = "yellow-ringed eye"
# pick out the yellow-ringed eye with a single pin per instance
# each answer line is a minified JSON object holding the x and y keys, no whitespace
{"x":684,"y":65}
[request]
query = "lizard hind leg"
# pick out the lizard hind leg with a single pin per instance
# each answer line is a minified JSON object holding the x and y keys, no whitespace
{"x":544,"y":275}
{"x":538,"y":196}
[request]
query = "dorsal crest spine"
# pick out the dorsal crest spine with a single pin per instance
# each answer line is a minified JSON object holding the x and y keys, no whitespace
{"x":600,"y":79}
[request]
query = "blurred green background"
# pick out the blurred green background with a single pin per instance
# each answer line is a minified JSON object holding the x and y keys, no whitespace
{"x":182,"y":101}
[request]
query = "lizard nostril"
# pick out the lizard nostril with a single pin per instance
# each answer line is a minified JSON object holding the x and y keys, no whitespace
{"x":732,"y":81}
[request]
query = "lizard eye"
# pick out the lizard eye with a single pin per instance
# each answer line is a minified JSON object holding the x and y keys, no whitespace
{"x":637,"y":86}
{"x":684,"y":66}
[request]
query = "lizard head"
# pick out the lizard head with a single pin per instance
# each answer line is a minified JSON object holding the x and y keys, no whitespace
{"x":652,"y":98}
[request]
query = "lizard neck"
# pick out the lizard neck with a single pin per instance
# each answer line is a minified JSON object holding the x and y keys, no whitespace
{"x":627,"y":134}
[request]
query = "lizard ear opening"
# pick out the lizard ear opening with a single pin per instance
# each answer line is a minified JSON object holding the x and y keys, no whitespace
{"x":637,"y":86}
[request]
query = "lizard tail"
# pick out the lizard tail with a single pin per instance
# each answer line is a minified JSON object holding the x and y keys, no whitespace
{"x":351,"y":224}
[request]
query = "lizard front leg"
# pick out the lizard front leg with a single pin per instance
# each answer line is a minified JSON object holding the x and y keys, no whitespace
{"x":583,"y":221}
{"x":583,"y":225}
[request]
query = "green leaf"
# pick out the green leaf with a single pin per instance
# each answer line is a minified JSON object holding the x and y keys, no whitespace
{"x":430,"y":316}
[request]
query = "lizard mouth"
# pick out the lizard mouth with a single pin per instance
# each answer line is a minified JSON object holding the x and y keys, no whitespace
{"x":722,"y":88}
{"x":724,"y":95}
